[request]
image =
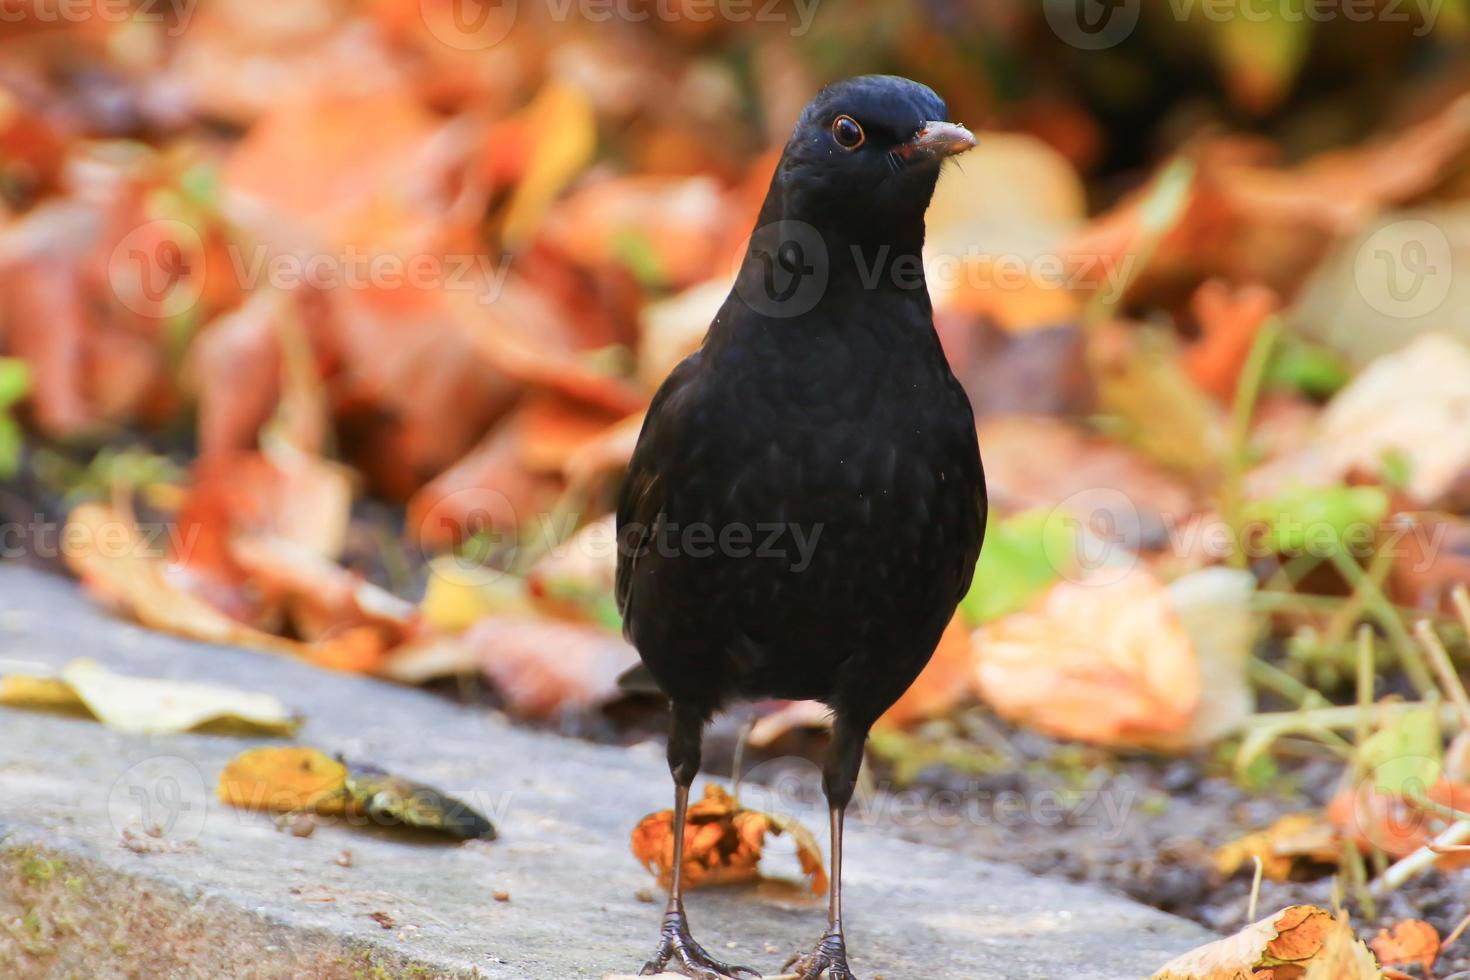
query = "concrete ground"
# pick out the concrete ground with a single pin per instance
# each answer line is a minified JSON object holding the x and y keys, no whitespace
{"x":86,"y":892}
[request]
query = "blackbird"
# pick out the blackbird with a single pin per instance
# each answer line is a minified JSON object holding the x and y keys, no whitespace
{"x":805,"y":504}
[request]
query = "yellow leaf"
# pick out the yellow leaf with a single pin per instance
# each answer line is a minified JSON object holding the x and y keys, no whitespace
{"x":147,"y":705}
{"x":285,"y":779}
{"x":1293,"y":838}
{"x":564,"y":129}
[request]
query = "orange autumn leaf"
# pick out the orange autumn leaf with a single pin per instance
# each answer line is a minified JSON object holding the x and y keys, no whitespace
{"x":1394,"y":824}
{"x":1412,"y":941}
{"x":284,"y":779}
{"x":1102,"y":659}
{"x":1229,"y":320}
{"x":1290,"y":943}
{"x":1293,"y":839}
{"x":723,"y":843}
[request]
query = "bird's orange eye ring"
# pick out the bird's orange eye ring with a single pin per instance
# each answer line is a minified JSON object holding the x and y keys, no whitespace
{"x":848,"y":134}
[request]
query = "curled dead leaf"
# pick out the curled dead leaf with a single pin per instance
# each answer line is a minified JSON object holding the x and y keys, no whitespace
{"x":1295,"y":939}
{"x":723,"y":843}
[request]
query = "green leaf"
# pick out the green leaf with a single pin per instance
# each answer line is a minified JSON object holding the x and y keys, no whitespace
{"x":1021,"y":557}
{"x":1319,"y":520}
{"x":1404,"y":757}
{"x":15,"y":380}
{"x":11,"y":443}
{"x":1311,"y":369}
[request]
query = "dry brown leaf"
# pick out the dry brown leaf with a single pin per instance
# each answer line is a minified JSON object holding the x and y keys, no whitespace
{"x":1040,"y":463}
{"x":125,"y":571}
{"x":1291,"y":938}
{"x":723,"y":843}
{"x":1250,"y":221}
{"x":1412,"y":942}
{"x":1293,"y":839}
{"x":544,"y":666}
{"x":1104,"y":659}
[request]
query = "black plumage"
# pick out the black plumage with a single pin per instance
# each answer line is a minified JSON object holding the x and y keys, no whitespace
{"x":806,"y":504}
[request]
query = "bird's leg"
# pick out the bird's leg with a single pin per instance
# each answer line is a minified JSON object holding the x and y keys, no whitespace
{"x":675,"y":943}
{"x":839,"y":776}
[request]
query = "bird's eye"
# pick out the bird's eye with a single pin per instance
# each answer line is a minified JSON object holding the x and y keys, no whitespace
{"x":847,"y":132}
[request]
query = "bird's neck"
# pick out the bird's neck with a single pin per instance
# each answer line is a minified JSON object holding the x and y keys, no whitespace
{"x":859,"y":250}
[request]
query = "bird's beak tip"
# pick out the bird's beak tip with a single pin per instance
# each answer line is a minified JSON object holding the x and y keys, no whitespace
{"x":938,"y":140}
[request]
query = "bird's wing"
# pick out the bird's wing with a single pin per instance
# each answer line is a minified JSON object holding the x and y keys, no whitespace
{"x":641,"y":498}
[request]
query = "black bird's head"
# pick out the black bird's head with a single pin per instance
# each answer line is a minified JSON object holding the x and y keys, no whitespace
{"x":866,"y":155}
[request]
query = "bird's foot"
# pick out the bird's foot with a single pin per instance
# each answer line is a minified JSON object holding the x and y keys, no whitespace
{"x":677,"y":945}
{"x":829,"y":958}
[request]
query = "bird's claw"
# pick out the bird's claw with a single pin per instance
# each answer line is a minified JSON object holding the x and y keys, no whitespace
{"x":675,"y":943}
{"x":829,"y":958}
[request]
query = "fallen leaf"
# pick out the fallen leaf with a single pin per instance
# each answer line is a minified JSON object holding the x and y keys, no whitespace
{"x":1371,"y":419}
{"x":154,"y":706}
{"x":1295,"y":839}
{"x":1214,"y":607}
{"x":1102,"y":659}
{"x":461,"y":593}
{"x":1228,"y":321}
{"x":1248,"y":220}
{"x":1343,"y":956}
{"x":393,"y":798}
{"x":1035,"y":462}
{"x":295,"y":778}
{"x":545,"y":666}
{"x":723,"y":843}
{"x":1155,"y":405}
{"x":1292,"y":937}
{"x":1435,"y":558}
{"x":1022,"y":556}
{"x":285,"y":779}
{"x":1412,"y":942}
{"x":561,"y":128}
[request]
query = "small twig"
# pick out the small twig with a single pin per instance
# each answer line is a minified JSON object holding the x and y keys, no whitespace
{"x":1250,"y":910}
{"x":1439,"y":659}
{"x":1388,"y":617}
{"x":1242,"y":410}
{"x":1460,"y":596}
{"x":1455,"y":933}
{"x":1422,"y":859}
